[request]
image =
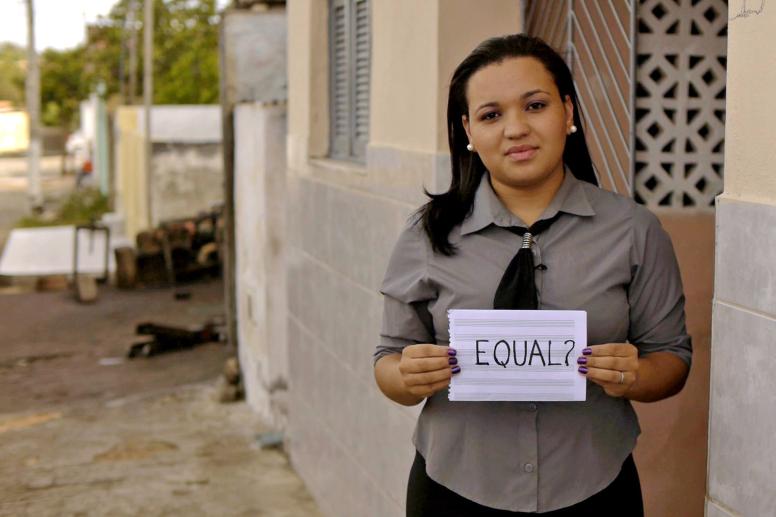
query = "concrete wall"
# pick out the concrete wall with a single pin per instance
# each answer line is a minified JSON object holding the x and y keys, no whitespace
{"x":254,"y":89}
{"x":350,"y":444}
{"x":186,"y":167}
{"x":255,"y":67}
{"x":187,"y":178}
{"x":742,"y":461}
{"x":260,"y":229}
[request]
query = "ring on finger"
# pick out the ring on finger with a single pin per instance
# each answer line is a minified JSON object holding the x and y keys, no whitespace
{"x":622,"y":378}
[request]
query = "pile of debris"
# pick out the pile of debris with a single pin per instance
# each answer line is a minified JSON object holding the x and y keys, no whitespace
{"x":176,"y":251}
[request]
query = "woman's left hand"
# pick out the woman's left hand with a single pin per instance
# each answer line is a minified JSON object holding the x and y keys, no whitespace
{"x":613,"y":366}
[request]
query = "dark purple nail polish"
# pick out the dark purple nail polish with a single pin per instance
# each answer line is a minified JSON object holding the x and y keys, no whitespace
{"x":581,"y":360}
{"x":452,"y":360}
{"x":587,"y":351}
{"x":451,"y":351}
{"x":456,"y":369}
{"x":582,"y":369}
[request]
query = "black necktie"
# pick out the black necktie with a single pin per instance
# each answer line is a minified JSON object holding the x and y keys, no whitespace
{"x":517,"y":289}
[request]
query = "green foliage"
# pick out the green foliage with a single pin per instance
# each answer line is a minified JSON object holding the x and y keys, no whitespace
{"x":62,"y":86}
{"x":185,"y":59}
{"x":12,"y":60}
{"x":186,"y":52}
{"x":80,"y":207}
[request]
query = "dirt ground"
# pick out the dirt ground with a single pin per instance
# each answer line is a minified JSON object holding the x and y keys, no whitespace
{"x":56,"y":350}
{"x":84,"y":431}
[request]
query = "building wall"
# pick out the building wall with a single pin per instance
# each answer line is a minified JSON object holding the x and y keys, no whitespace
{"x":130,"y":174}
{"x":186,"y":179}
{"x":350,"y":444}
{"x":186,"y":167}
{"x":254,"y":61}
{"x":14,"y":131}
{"x":260,"y":229}
{"x":742,"y":463}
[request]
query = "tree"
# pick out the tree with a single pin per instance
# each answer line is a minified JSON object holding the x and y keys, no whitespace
{"x":185,"y":50}
{"x":185,"y":59}
{"x":186,"y":53}
{"x":13,"y":60}
{"x":62,"y":86}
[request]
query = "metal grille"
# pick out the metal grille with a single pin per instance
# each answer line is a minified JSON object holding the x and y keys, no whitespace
{"x":680,"y":102}
{"x":350,"y":49}
{"x":596,"y":39}
{"x":602,"y":49}
{"x":549,"y":21}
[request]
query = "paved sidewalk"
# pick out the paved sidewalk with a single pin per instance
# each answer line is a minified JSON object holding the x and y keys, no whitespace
{"x":175,"y":452}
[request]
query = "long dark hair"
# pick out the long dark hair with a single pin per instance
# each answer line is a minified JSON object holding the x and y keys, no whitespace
{"x":444,"y":211}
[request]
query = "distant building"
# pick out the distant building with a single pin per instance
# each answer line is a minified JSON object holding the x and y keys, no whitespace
{"x":14,"y":129}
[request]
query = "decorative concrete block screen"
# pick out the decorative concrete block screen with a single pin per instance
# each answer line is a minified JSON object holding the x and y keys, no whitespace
{"x":659,"y":138}
{"x":680,"y":102}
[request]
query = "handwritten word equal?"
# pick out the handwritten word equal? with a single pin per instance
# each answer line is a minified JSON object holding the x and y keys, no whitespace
{"x":504,"y":351}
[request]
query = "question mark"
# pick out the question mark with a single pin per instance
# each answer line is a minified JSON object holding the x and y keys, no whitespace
{"x":570,"y":349}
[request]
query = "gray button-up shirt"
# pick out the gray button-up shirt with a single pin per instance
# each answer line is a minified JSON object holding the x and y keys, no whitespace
{"x":605,"y":255}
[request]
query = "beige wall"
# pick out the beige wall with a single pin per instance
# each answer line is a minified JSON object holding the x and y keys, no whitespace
{"x":403,"y":110}
{"x":308,"y":110}
{"x":14,"y":131}
{"x":462,"y":28}
{"x":750,"y":153}
{"x":131,"y":199}
{"x":742,"y":420}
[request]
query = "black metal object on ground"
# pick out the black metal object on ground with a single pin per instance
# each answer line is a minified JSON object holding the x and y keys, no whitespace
{"x":167,"y":338}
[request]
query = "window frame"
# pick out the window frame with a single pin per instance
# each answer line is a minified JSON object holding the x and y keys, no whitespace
{"x":349,"y":145}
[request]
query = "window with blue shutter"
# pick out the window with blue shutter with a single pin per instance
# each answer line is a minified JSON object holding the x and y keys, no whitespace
{"x":349,"y":61}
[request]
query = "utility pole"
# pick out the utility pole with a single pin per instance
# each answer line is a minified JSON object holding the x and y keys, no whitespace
{"x":148,"y":97}
{"x":132,"y":24}
{"x":33,"y":113}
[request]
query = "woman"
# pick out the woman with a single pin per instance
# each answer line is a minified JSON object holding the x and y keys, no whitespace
{"x":519,"y":160}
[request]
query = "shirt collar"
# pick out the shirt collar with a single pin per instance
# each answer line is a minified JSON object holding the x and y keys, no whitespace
{"x":488,"y":208}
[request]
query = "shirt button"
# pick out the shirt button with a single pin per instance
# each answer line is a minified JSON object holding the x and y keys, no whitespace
{"x":531,"y":407}
{"x":528,"y":467}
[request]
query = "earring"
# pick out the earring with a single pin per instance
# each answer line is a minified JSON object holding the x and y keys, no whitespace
{"x":469,"y":147}
{"x":572,"y":129}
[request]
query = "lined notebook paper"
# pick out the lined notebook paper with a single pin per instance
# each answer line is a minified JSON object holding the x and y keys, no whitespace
{"x":517,"y":355}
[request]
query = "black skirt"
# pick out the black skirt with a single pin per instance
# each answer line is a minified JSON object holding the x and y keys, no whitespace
{"x":427,"y":498}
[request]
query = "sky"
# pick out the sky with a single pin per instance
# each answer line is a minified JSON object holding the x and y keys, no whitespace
{"x":59,"y":24}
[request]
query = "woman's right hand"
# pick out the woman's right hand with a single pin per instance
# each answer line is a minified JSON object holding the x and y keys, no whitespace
{"x":426,"y":368}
